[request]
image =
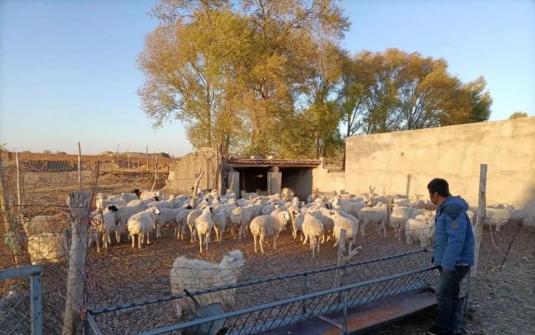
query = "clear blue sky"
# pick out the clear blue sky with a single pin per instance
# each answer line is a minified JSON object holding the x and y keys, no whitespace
{"x":68,"y":70}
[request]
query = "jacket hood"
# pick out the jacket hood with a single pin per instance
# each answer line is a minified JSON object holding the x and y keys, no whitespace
{"x":455,"y":200}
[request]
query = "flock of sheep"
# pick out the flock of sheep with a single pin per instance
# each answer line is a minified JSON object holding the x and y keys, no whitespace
{"x":320,"y":219}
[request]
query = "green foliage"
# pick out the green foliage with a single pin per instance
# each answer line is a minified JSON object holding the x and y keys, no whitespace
{"x":261,"y":77}
{"x":395,"y":90}
{"x":518,"y":115}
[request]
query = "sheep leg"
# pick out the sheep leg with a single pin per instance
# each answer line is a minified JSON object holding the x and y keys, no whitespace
{"x":118,"y":236}
{"x":261,"y":243}
{"x":200,"y":243}
{"x":133,"y":241}
{"x":254,"y":242}
{"x":147,"y":237}
{"x":98,"y":243}
{"x":207,"y":240}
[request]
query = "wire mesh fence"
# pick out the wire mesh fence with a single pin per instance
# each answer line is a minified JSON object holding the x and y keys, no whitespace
{"x":21,"y":307}
{"x":146,"y":315}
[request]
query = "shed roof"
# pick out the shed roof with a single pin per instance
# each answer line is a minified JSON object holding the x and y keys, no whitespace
{"x":281,"y":163}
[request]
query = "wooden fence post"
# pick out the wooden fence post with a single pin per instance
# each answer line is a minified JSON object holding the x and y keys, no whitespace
{"x":79,"y":205}
{"x":408,"y":190}
{"x":19,"y":201}
{"x":481,"y":215}
{"x":340,"y":258}
{"x":11,"y":224}
{"x":79,"y":166}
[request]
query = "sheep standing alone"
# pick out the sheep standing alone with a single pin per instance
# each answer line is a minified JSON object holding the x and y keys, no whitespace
{"x":312,"y":230}
{"x":204,"y":225}
{"x":47,"y":247}
{"x":195,"y":275}
{"x":141,"y":224}
{"x":45,"y":237}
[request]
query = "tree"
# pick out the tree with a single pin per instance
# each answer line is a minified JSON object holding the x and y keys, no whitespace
{"x":518,"y":115}
{"x":188,"y":62}
{"x":395,"y":90}
{"x":287,"y":35}
{"x":232,"y":73}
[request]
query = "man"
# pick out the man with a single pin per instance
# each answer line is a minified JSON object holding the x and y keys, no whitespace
{"x":453,"y":253}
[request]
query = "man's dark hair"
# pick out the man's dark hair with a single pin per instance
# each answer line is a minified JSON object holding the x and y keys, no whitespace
{"x":440,"y":186}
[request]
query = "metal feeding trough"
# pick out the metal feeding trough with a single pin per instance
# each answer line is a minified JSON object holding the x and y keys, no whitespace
{"x":372,"y":293}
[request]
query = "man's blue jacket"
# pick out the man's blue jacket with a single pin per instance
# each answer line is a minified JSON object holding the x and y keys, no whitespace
{"x":454,"y":238}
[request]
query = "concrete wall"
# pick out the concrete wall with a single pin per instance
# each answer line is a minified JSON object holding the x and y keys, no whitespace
{"x":326,"y":181}
{"x":181,"y":174}
{"x":455,"y":153}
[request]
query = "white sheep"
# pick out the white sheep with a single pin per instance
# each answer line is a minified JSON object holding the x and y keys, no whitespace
{"x":324,"y":215}
{"x":297,"y":225}
{"x":122,"y":215}
{"x":190,"y":221}
{"x":195,"y":275}
{"x":47,"y":223}
{"x":498,"y":216}
{"x":181,"y":220}
{"x":400,"y":215}
{"x":141,"y":224}
{"x":420,"y":230}
{"x":151,"y":195}
{"x":268,"y":225}
{"x":46,"y":247}
{"x":239,"y":219}
{"x":312,"y":230}
{"x":220,"y":219}
{"x":167,"y":217}
{"x":109,"y":225}
{"x":203,"y":226}
{"x":102,"y":203}
{"x":372,"y":215}
{"x":351,"y":226}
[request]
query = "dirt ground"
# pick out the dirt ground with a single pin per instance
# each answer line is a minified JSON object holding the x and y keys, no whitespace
{"x":501,"y":301}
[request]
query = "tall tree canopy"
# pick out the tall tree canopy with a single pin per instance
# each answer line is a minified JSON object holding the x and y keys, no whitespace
{"x":269,"y":77}
{"x":395,"y":90}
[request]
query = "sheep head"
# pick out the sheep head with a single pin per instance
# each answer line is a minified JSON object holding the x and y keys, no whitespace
{"x":112,"y":208}
{"x":154,"y":210}
{"x":232,"y":260}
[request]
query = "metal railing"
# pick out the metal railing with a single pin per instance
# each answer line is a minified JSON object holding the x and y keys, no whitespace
{"x":257,"y":307}
{"x":16,"y":317}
